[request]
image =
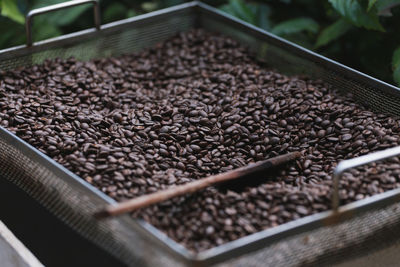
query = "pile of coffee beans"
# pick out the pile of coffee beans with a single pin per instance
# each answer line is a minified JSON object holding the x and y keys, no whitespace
{"x":195,"y":105}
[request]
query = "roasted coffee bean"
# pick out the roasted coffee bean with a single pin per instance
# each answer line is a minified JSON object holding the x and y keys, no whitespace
{"x":195,"y":148}
{"x":196,"y":105}
{"x":346,"y":137}
{"x":274,"y":140}
{"x":226,"y":124}
{"x":164,"y":152}
{"x":321,"y":133}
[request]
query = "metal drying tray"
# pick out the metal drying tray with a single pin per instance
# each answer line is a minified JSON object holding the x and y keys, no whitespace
{"x":324,"y":238}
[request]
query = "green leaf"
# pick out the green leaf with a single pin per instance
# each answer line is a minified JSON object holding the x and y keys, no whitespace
{"x":385,"y":7}
{"x":242,"y":11}
{"x":131,"y":13}
{"x":10,"y":9}
{"x":227,"y":9}
{"x":371,"y":3}
{"x":354,"y":13}
{"x":263,"y":20}
{"x":332,"y":32}
{"x":62,"y":17}
{"x":149,"y":6}
{"x":12,"y":33}
{"x":114,"y":12}
{"x":396,"y":75}
{"x":43,"y":30}
{"x":396,"y":58}
{"x":69,"y":16}
{"x":396,"y":65}
{"x":167,"y":3}
{"x":296,"y":25}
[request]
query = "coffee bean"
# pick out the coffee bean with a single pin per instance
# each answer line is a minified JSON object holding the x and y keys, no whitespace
{"x":307,"y":163}
{"x":321,"y":133}
{"x":325,"y":123}
{"x":195,"y":148}
{"x":274,"y":140}
{"x":226,"y":124}
{"x":118,"y":117}
{"x":181,"y":166}
{"x":210,"y":230}
{"x":230,"y":129}
{"x":302,"y":210}
{"x":156,"y":143}
{"x":346,"y":137}
{"x":357,"y":143}
{"x":164,"y":152}
{"x":164,"y":129}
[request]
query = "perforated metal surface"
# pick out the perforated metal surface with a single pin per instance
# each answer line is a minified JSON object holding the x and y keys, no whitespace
{"x":330,"y":245}
{"x":301,"y":242}
{"x":102,"y":44}
{"x":63,"y":194}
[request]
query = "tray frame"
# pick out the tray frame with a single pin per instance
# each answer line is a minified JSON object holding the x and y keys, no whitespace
{"x":243,"y":245}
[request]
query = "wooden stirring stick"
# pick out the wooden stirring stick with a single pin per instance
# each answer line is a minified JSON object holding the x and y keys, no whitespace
{"x":147,"y":200}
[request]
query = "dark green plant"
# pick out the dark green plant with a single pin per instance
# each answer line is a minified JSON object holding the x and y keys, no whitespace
{"x":363,"y":34}
{"x":12,"y":17}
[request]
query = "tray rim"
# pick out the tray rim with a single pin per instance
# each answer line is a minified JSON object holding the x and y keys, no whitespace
{"x":248,"y":243}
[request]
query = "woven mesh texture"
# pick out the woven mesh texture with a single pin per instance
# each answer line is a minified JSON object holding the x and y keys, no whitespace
{"x":74,"y":204}
{"x":112,"y":43}
{"x":330,"y":245}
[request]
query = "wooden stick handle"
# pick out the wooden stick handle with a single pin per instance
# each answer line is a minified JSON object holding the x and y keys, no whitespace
{"x":147,"y":200}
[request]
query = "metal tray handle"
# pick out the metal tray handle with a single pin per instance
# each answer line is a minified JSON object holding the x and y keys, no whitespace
{"x":355,"y":162}
{"x":47,"y":9}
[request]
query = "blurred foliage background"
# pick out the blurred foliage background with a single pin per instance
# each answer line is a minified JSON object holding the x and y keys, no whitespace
{"x":363,"y":34}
